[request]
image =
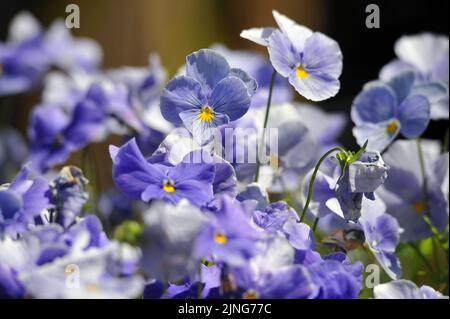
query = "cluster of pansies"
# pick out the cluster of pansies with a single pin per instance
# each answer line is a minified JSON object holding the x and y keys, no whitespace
{"x":191,"y":215}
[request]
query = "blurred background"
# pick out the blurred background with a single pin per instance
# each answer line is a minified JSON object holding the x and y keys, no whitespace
{"x":129,"y":30}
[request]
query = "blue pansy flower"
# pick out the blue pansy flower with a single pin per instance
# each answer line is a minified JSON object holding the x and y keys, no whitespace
{"x":228,"y":235}
{"x":385,"y":109}
{"x":209,"y":95}
{"x":272,"y":274}
{"x":54,"y":134}
{"x":22,"y":201}
{"x":382,"y":234}
{"x":179,"y":147}
{"x":23,"y":59}
{"x":138,"y":179}
{"x":425,"y":54}
{"x":310,"y":60}
{"x":403,"y":190}
{"x":405,"y":289}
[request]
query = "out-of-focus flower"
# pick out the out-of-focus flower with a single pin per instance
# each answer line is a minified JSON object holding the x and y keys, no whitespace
{"x":23,"y":59}
{"x":382,"y":234}
{"x":138,"y":179}
{"x":22,"y":201}
{"x":310,"y":60}
{"x":170,"y":238}
{"x":405,"y":289}
{"x":385,"y":109}
{"x":84,"y":275}
{"x":228,"y":235}
{"x":403,"y":190}
{"x":425,"y":54}
{"x":209,"y":95}
{"x":13,"y":152}
{"x":31,"y":52}
{"x":272,"y":274}
{"x":336,"y":278}
{"x":209,"y":281}
{"x":70,"y":53}
{"x":54,"y":134}
{"x":114,"y":207}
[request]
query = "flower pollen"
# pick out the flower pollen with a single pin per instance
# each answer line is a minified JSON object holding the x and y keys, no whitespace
{"x":206,"y":114}
{"x":301,"y":72}
{"x":220,"y":238}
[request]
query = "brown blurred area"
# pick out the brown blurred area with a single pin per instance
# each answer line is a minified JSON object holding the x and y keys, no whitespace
{"x":129,"y":30}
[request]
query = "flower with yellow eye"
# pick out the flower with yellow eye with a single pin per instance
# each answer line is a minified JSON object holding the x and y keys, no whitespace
{"x":311,"y":61}
{"x":209,"y":95}
{"x":138,"y":179}
{"x":383,"y":110}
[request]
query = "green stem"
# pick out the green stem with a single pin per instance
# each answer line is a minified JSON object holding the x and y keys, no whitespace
{"x":313,"y":178}
{"x":423,"y":172}
{"x":423,"y":258}
{"x":316,"y":221}
{"x":266,"y":118}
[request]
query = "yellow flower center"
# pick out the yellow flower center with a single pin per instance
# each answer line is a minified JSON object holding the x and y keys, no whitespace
{"x":220,"y":238}
{"x":392,"y":127}
{"x":419,"y":207}
{"x":168,"y":187}
{"x":206,"y":114}
{"x":1,"y":69}
{"x":250,"y":294}
{"x":301,"y":72}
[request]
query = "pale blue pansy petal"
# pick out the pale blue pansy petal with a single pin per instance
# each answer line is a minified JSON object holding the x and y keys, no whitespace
{"x":249,"y":82}
{"x":208,"y":67}
{"x":297,"y":34}
{"x":440,"y":71}
{"x":281,"y":53}
{"x":390,"y":264}
{"x":316,"y":86}
{"x":258,"y":35}
{"x":414,"y":115}
{"x":395,"y":67}
{"x":376,"y":134}
{"x":132,"y":173}
{"x":429,"y":293}
{"x":398,"y":289}
{"x":322,"y":55}
{"x":230,"y":97}
{"x":181,"y":93}
{"x":437,"y":95}
{"x":374,"y":104}
{"x":421,"y":50}
{"x":402,"y":84}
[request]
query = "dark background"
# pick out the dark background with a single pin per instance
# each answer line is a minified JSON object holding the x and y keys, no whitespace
{"x":128,"y":30}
